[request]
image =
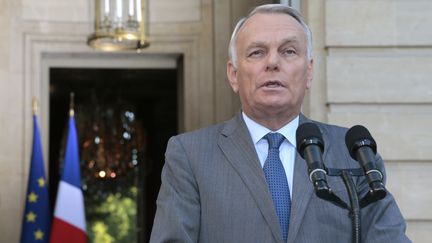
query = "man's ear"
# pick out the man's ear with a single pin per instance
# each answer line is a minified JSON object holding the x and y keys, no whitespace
{"x":309,"y":74}
{"x":232,"y":76}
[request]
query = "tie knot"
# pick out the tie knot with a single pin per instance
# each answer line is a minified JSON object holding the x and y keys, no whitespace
{"x":274,"y":140}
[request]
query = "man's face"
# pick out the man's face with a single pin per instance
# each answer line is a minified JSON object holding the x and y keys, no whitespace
{"x":273,"y":71}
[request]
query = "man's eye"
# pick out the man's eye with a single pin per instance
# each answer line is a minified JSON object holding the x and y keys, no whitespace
{"x":256,"y":53}
{"x":290,"y":51}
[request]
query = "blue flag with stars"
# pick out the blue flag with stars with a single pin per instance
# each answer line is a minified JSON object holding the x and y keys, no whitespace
{"x":37,"y":216}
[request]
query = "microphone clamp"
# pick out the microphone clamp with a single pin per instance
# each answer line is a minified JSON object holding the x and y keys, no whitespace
{"x":375,"y":171}
{"x":311,"y":174}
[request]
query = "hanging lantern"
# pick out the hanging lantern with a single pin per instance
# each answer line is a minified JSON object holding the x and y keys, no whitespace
{"x":120,"y":25}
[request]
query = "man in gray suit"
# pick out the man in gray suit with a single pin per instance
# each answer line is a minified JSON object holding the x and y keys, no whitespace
{"x":216,"y":184}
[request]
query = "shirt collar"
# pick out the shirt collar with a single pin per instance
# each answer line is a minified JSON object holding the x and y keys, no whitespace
{"x":258,"y":131}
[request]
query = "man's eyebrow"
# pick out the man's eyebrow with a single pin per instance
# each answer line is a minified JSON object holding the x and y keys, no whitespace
{"x":256,"y":44}
{"x":290,"y":40}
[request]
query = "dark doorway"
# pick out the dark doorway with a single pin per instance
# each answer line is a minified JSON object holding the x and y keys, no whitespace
{"x":124,"y":118}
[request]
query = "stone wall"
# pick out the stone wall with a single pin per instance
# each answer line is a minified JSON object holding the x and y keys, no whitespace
{"x":375,"y":68}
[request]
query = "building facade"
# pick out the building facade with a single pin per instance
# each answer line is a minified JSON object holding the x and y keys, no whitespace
{"x":372,"y":61}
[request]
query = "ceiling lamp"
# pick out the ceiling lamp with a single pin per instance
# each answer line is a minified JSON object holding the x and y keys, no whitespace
{"x":120,"y":25}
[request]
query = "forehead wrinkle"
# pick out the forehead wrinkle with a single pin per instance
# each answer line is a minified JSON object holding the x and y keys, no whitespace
{"x":294,"y":33}
{"x":290,"y":40}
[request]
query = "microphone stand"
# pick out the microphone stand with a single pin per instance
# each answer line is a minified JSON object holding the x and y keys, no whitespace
{"x":355,"y":204}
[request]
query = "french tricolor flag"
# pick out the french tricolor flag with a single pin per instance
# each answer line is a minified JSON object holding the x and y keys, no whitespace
{"x":69,"y":225}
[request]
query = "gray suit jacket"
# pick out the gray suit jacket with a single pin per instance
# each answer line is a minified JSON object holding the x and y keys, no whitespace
{"x":214,"y":190}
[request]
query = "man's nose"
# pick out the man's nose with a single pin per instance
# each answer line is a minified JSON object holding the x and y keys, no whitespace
{"x":273,"y":62}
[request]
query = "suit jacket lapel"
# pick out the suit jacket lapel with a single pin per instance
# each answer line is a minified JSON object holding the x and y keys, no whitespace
{"x":302,"y":189}
{"x":237,"y":146}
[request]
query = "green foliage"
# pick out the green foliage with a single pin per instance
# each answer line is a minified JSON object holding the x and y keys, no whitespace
{"x":114,"y":218}
{"x":100,"y":233}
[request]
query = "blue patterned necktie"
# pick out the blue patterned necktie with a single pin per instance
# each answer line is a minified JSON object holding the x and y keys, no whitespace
{"x":277,"y":182}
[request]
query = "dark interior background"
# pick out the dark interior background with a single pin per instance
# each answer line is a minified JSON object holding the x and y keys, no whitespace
{"x":154,"y":95}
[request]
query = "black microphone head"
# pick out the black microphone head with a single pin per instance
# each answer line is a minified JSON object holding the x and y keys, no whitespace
{"x":358,"y":136}
{"x":308,"y":133}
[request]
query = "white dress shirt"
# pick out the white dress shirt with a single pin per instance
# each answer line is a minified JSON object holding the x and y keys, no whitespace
{"x":287,"y":150}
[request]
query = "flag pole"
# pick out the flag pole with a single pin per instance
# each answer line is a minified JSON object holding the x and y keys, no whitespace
{"x":34,"y":106}
{"x":72,"y":104}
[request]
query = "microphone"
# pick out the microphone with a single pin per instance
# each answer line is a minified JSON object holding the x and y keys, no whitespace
{"x":310,"y":146}
{"x":362,"y":147}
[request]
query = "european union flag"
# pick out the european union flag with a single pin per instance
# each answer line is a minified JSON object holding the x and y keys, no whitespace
{"x":37,"y":216}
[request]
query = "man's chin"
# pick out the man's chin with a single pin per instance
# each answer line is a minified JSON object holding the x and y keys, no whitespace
{"x":276,"y":108}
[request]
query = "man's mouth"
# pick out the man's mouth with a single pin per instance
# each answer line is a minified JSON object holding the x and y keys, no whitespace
{"x":272,"y":84}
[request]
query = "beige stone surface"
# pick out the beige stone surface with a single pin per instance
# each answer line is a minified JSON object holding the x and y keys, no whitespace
{"x":11,"y":122}
{"x":5,"y":21}
{"x":10,"y":94}
{"x":314,"y":104}
{"x":175,"y":11}
{"x":378,"y":23}
{"x":56,"y":10}
{"x":402,"y":135}
{"x":419,"y":231}
{"x":367,"y":76}
{"x":11,"y":131}
{"x":409,"y":182}
{"x":11,"y":202}
{"x":223,"y":95}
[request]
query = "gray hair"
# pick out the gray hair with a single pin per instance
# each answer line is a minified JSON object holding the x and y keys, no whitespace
{"x":269,"y":8}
